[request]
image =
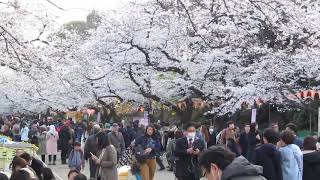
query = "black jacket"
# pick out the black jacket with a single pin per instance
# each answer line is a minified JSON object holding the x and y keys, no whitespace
{"x":311,"y":166}
{"x":64,"y":138}
{"x":186,"y":164}
{"x":37,"y":166}
{"x":212,"y":139}
{"x":269,"y":158}
{"x":244,"y":144}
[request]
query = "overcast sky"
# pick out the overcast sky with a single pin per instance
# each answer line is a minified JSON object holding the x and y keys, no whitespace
{"x":79,"y":9}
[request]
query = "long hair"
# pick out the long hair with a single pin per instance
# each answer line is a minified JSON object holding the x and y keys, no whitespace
{"x":154,"y":131}
{"x":103,"y":140}
{"x":205,"y":133}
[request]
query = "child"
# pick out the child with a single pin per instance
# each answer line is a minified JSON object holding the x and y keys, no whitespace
{"x":76,"y":159}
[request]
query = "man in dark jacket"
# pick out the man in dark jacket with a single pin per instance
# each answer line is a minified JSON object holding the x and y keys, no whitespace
{"x":116,"y":139}
{"x":91,"y":147}
{"x":218,"y":163}
{"x":311,"y":159}
{"x":187,"y":150}
{"x":243,"y":141}
{"x":268,"y":156}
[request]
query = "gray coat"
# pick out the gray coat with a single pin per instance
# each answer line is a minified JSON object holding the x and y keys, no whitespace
{"x":108,"y":164}
{"x":242,"y":169}
{"x":42,"y":143}
{"x":117,"y":140}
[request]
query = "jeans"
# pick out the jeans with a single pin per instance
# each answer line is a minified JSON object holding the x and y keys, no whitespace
{"x":93,"y":168}
{"x":148,"y":169}
{"x":64,"y":153}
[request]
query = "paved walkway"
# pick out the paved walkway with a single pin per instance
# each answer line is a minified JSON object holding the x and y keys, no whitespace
{"x":62,"y":172}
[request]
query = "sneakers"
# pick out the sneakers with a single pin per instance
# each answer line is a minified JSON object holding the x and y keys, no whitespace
{"x":54,"y":163}
{"x":49,"y":163}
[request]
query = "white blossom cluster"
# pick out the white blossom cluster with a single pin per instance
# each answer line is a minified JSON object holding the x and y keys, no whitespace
{"x":226,"y":52}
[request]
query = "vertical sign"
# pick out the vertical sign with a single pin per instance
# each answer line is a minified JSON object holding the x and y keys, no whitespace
{"x":319,"y":121}
{"x":253,"y":116}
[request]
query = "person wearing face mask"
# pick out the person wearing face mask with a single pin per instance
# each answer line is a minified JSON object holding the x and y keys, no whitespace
{"x":218,"y":163}
{"x":186,"y":151}
{"x":212,"y":137}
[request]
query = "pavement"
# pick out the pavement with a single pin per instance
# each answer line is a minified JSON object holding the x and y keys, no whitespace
{"x":61,"y":172}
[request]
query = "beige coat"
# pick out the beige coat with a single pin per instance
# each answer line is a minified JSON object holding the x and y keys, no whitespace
{"x":108,"y":164}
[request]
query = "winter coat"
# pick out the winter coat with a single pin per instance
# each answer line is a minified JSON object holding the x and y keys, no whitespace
{"x":244,"y":144}
{"x":64,"y":138}
{"x":24,"y":134}
{"x":90,"y":147}
{"x":269,"y":158}
{"x":311,"y":165}
{"x":170,"y":150}
{"x":187,"y":164}
{"x":116,"y":139}
{"x":76,"y":159}
{"x":242,"y":169}
{"x":52,"y":144}
{"x":253,"y":142}
{"x":145,"y":142}
{"x":108,"y":163}
{"x":226,"y":134}
{"x":212,"y":139}
{"x":42,"y":143}
{"x":291,"y":162}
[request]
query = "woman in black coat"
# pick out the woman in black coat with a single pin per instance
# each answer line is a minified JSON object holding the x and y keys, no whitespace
{"x":64,"y":142}
{"x":253,"y":141}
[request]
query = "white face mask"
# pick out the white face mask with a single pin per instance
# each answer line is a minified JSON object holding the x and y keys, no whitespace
{"x":211,"y":131}
{"x":191,"y":135}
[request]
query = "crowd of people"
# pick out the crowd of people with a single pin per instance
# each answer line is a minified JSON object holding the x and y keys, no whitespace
{"x":191,"y":152}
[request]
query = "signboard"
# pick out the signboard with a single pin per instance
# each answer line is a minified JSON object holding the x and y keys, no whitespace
{"x":253,"y":116}
{"x":142,"y":120}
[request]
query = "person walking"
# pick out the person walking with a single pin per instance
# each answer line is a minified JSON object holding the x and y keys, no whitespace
{"x":293,"y":128}
{"x":171,"y":148}
{"x":24,"y":131}
{"x":205,"y":134}
{"x":76,"y":157}
{"x":254,"y":140}
{"x":311,"y":159}
{"x":212,"y":137}
{"x":116,"y":139}
{"x":147,"y":147}
{"x":107,"y":160}
{"x":64,"y":141}
{"x":291,"y":157}
{"x":268,"y":156}
{"x":90,"y":148}
{"x":160,"y":152}
{"x":228,"y":133}
{"x":42,"y":149}
{"x":79,"y":129}
{"x":243,"y":141}
{"x":218,"y":163}
{"x":187,"y":150}
{"x":52,"y":144}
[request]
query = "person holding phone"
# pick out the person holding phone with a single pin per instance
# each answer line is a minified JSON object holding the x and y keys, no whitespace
{"x":187,"y":151}
{"x":106,"y":159}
